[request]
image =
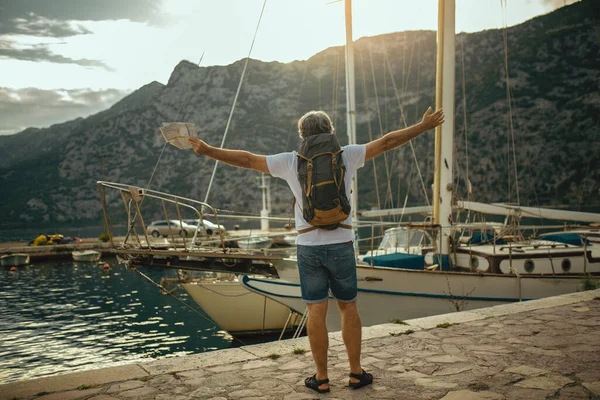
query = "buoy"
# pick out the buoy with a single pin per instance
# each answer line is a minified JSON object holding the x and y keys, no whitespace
{"x":13,"y":268}
{"x":106,"y":266}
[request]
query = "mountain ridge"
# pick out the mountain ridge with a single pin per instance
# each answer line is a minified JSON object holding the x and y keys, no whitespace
{"x":554,"y":66}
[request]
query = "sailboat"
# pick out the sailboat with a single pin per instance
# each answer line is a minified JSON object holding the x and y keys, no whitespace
{"x":462,"y":274}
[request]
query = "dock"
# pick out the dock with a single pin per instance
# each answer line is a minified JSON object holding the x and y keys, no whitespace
{"x":54,"y":251}
{"x":63,"y":251}
{"x":540,"y":349}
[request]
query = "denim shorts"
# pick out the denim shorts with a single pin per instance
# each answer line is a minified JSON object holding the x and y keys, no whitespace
{"x":327,"y":267}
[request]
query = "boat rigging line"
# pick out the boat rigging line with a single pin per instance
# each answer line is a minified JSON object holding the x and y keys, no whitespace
{"x":168,"y":292}
{"x":508,"y":100}
{"x":212,"y":177}
{"x":176,"y":116}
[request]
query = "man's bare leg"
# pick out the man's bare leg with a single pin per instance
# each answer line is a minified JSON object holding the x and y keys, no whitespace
{"x":352,"y":335}
{"x":317,"y":336}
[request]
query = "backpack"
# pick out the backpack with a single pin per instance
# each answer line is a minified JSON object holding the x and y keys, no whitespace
{"x":321,"y":173}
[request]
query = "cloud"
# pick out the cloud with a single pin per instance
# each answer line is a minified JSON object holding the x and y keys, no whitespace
{"x":51,"y":18}
{"x":34,"y":25}
{"x":553,"y":4}
{"x":24,"y":108}
{"x":40,"y":52}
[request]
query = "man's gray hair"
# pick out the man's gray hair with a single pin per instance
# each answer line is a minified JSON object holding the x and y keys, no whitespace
{"x":314,"y":123}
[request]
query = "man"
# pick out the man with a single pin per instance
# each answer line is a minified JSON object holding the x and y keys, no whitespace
{"x":326,"y":259}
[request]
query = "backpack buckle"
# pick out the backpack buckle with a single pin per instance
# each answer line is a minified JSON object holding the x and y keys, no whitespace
{"x":310,"y":164}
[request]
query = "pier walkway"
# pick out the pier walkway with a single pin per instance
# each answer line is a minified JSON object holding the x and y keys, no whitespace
{"x":541,"y":349}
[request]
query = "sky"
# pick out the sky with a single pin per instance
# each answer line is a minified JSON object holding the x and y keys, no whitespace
{"x":64,"y":59}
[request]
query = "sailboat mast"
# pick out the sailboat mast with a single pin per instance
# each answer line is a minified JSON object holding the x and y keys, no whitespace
{"x":444,"y":134}
{"x":350,"y":100}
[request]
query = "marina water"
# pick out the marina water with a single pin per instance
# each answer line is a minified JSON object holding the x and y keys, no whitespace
{"x":64,"y":316}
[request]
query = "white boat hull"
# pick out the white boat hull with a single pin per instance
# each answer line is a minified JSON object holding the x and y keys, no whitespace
{"x":86,"y":256}
{"x":386,"y":294}
{"x":255,"y":243}
{"x":14,"y":260}
{"x":237,"y":310}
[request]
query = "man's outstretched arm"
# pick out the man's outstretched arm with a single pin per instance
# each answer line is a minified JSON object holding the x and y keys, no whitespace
{"x":236,"y":158}
{"x":397,"y":138}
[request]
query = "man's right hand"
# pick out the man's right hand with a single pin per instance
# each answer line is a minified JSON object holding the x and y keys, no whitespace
{"x":431,"y":120}
{"x":200,"y":147}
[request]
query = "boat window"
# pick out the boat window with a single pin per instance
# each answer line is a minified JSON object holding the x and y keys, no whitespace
{"x":529,"y":266}
{"x":417,"y":238}
{"x":566,"y":265}
{"x":394,"y":239}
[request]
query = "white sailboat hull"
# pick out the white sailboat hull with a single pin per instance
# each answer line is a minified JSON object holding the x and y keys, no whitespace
{"x":237,"y":310}
{"x":386,"y":294}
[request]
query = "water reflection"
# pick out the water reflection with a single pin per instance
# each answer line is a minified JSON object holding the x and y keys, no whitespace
{"x":64,"y":317}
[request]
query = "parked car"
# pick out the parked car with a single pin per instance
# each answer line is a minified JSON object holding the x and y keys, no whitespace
{"x":161,"y":228}
{"x":210,"y":227}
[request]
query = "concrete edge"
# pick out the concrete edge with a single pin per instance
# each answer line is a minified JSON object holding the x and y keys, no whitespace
{"x":102,"y":376}
{"x":74,"y":380}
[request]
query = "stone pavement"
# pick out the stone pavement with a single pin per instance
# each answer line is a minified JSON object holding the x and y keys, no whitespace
{"x":541,"y":349}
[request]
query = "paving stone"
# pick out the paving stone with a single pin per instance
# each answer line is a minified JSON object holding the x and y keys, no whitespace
{"x":369,"y":360}
{"x":106,"y":397}
{"x":197,"y":361}
{"x":525,"y":370}
{"x":451,"y":349}
{"x":380,"y":355}
{"x":573,"y":393}
{"x":581,"y":309}
{"x":71,"y":395}
{"x":544,"y":352}
{"x":411,"y":375}
{"x":452,"y":370}
{"x":169,"y":397}
{"x":294,"y":365}
{"x":289,"y":377}
{"x":469,"y":395}
{"x":161,"y":380}
{"x":143,"y":392}
{"x":258,"y":364}
{"x":191,"y":374}
{"x":242,"y":394}
{"x":590,"y":375}
{"x":398,"y":368}
{"x":447,"y":358}
{"x":205,"y":392}
{"x":424,"y":335}
{"x":433,"y":383}
{"x":544,"y":382}
{"x":489,"y":349}
{"x":300,"y":396}
{"x":463,"y":340}
{"x":528,"y":394}
{"x":120,"y":387}
{"x":593,"y":387}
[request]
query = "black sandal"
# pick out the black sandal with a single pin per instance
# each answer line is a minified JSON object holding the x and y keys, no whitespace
{"x":313,"y":383}
{"x":364,"y":379}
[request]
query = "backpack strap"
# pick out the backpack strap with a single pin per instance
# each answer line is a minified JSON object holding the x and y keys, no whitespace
{"x":312,"y":228}
{"x":307,"y":190}
{"x":301,"y":231}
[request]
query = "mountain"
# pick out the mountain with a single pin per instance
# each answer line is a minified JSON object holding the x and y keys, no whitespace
{"x":48,"y":176}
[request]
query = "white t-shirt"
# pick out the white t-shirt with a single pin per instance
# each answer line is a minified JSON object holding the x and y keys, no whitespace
{"x":285,"y":166}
